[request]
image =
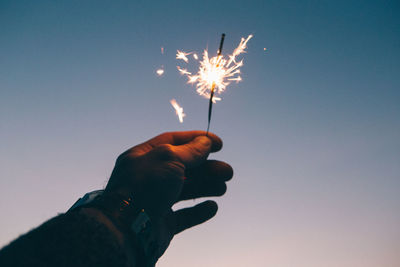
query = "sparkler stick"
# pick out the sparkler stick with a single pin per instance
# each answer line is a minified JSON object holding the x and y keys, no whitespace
{"x":210,"y":104}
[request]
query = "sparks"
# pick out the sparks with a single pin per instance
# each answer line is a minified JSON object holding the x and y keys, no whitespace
{"x":160,"y":72}
{"x":182,"y":55}
{"x":195,"y":56}
{"x":178,"y":110}
{"x":183,"y":71}
{"x":215,"y":73}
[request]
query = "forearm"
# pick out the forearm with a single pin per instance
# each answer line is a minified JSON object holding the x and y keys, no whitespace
{"x":80,"y":238}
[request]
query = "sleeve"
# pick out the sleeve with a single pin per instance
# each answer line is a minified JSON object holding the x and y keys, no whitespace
{"x":71,"y":239}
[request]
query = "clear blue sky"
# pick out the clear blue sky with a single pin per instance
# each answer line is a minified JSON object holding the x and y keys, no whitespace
{"x":313,"y":131}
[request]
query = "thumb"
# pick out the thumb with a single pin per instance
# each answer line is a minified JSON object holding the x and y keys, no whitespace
{"x":194,"y":152}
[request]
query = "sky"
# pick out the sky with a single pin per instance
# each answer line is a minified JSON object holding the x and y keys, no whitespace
{"x":312,"y":131}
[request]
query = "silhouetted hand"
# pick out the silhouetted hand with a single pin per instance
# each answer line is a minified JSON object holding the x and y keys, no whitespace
{"x":169,"y":168}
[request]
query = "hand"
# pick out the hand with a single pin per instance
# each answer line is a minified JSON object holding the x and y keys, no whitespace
{"x":169,"y":168}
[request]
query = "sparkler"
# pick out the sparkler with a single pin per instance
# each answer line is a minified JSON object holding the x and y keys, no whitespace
{"x":210,"y":104}
{"x":215,"y":73}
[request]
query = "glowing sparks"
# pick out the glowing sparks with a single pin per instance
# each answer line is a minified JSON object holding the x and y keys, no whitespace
{"x":183,"y":71}
{"x":216,"y":72}
{"x":160,"y":72}
{"x":162,"y":50}
{"x":240,"y":49}
{"x":195,"y":56}
{"x":182,"y":55}
{"x":178,"y":110}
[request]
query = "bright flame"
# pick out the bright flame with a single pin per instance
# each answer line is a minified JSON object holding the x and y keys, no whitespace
{"x":178,"y":110}
{"x":216,"y":72}
{"x":160,"y":72}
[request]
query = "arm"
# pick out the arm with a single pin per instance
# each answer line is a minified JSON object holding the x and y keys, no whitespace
{"x":156,"y":174}
{"x":72,"y":239}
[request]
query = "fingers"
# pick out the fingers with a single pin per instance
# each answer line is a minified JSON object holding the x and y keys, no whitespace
{"x":189,"y":217}
{"x":210,"y":189}
{"x":206,"y":180}
{"x":195,"y":152}
{"x":175,"y":138}
{"x":180,"y":138}
{"x":211,"y":170}
{"x":190,"y":154}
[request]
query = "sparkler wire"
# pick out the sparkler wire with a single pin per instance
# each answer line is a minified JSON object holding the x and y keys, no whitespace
{"x":210,"y":104}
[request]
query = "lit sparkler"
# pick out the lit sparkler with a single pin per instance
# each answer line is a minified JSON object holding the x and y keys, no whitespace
{"x":214,"y":73}
{"x":178,"y":110}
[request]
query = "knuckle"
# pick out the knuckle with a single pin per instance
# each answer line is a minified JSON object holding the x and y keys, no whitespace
{"x":121,"y":158}
{"x":164,"y":135}
{"x":166,"y":152}
{"x":171,"y":174}
{"x":197,"y":152}
{"x":177,"y":168}
{"x":126,"y":161}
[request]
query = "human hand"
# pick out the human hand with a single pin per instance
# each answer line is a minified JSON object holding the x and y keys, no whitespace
{"x":167,"y":169}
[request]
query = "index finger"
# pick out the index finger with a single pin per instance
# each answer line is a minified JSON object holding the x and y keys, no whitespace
{"x":175,"y":138}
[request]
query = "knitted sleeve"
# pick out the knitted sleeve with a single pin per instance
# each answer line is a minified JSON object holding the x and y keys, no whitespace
{"x":71,"y":239}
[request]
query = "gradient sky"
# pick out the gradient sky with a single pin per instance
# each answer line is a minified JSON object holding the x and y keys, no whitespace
{"x":312,"y":132}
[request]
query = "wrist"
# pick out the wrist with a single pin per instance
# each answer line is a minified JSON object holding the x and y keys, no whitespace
{"x":128,"y":222}
{"x":133,"y":252}
{"x":125,"y":239}
{"x":100,"y":217}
